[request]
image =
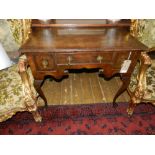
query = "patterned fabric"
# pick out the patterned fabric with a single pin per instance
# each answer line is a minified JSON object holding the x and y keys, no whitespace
{"x":20,"y":29}
{"x":14,"y":33}
{"x":150,"y":80}
{"x":149,"y":93}
{"x":144,"y":30}
{"x":84,"y":119}
{"x":134,"y":78}
{"x":6,"y":37}
{"x":11,"y":88}
{"x":16,"y":90}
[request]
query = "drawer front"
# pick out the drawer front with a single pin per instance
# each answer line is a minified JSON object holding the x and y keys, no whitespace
{"x":44,"y":62}
{"x":84,"y":58}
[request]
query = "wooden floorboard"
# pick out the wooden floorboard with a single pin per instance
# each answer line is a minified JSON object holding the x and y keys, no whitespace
{"x":77,"y":91}
{"x":82,"y":88}
{"x":65,"y":91}
{"x":98,"y":92}
{"x":86,"y":88}
{"x":106,"y":89}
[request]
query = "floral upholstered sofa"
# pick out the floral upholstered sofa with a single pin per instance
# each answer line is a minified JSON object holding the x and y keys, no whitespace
{"x":17,"y":92}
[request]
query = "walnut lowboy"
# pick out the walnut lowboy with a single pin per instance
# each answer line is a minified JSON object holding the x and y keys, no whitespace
{"x":54,"y":51}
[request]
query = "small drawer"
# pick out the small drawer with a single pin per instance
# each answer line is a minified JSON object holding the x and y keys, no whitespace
{"x":84,"y":58}
{"x":44,"y":62}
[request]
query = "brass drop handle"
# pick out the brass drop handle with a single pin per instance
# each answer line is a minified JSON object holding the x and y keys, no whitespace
{"x":45,"y":63}
{"x":69,"y":58}
{"x":99,"y":58}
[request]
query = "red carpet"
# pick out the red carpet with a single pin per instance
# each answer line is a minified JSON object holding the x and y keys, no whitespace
{"x":84,"y":119}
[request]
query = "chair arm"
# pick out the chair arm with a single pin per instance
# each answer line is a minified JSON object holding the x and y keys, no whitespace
{"x":139,"y":92}
{"x":145,"y":62}
{"x":29,"y":93}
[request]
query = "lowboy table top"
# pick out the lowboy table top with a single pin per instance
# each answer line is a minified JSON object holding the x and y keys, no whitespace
{"x":81,"y":39}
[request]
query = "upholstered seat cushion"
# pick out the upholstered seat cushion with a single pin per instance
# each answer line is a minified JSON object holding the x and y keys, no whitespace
{"x":149,"y":93}
{"x":12,"y":91}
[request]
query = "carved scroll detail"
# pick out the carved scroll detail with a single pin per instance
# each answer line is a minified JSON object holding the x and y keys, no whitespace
{"x":139,"y":92}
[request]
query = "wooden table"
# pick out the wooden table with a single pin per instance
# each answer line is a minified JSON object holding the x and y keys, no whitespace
{"x":54,"y":51}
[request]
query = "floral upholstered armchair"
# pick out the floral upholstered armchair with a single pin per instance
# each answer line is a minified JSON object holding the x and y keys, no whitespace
{"x":17,"y":92}
{"x":142,"y":85}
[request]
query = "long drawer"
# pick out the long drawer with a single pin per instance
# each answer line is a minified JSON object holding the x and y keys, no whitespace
{"x":50,"y":61}
{"x":84,"y":58}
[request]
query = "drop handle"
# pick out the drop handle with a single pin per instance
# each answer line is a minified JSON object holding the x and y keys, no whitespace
{"x":99,"y":58}
{"x":69,"y":58}
{"x":45,"y":63}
